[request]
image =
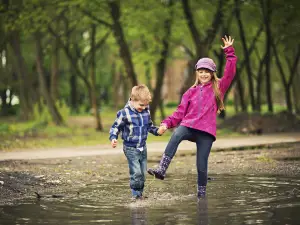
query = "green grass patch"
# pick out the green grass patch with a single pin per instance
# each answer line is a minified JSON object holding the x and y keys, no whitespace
{"x":265,"y":159}
{"x":79,"y":131}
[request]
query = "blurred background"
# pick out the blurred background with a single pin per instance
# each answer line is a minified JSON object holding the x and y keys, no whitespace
{"x":68,"y":66}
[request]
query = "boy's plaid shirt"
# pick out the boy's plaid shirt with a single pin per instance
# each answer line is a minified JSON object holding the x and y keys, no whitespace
{"x":134,"y":126}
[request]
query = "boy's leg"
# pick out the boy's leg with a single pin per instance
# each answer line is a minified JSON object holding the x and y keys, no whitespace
{"x":180,"y":134}
{"x":204,"y":143}
{"x":136,"y":177}
{"x":143,"y":164}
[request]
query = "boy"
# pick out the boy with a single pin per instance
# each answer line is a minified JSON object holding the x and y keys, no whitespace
{"x":134,"y":122}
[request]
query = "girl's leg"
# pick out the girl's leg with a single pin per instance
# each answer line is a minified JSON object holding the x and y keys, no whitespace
{"x":204,"y":143}
{"x":180,"y":134}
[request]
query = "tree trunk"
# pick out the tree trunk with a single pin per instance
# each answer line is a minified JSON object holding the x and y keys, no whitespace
{"x":246,"y":54}
{"x":259,"y":83}
{"x":115,"y":85}
{"x":202,"y":43}
{"x":125,"y":88}
{"x":292,"y":69}
{"x":57,"y":119}
{"x":123,"y":46}
{"x":73,"y":91}
{"x":221,"y":61}
{"x":266,"y":10}
{"x":296,"y":91}
{"x":161,"y":66}
{"x":23,"y":77}
{"x":93,"y":80}
{"x":240,"y":91}
{"x":162,"y":109}
{"x":4,"y":106}
{"x":242,"y":64}
{"x":54,"y":70}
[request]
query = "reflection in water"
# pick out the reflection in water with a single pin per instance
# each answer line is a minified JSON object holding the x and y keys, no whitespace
{"x":232,"y":200}
{"x":138,"y":216}
{"x":202,"y":211}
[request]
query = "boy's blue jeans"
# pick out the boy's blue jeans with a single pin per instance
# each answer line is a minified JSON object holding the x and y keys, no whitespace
{"x":204,"y":143}
{"x":137,"y":163}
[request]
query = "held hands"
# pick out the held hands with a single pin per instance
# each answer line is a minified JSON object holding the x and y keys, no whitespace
{"x":162,"y":129}
{"x":114,"y":143}
{"x":228,"y":41}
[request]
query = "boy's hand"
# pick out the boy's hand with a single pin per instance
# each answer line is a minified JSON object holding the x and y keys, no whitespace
{"x":228,"y":41}
{"x":114,"y":143}
{"x":162,"y":129}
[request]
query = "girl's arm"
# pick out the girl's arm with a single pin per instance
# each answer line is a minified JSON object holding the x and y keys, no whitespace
{"x":230,"y":69}
{"x":117,"y":126}
{"x":177,"y":116}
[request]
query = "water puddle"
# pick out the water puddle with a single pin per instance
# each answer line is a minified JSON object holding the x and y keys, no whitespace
{"x":230,"y":200}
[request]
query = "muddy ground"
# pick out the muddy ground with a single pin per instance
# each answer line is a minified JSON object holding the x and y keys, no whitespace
{"x":68,"y":176}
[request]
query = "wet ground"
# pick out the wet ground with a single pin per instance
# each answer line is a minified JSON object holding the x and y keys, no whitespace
{"x":259,"y":186}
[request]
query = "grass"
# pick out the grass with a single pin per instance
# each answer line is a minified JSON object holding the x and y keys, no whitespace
{"x":79,"y":131}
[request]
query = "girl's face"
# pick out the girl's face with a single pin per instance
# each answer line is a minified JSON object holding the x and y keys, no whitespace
{"x":204,"y":75}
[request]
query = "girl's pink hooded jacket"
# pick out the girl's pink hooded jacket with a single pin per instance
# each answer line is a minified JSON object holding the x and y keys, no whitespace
{"x":198,"y":107}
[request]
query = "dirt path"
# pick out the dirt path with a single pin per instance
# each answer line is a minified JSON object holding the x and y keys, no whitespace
{"x":221,"y":143}
{"x":52,"y":171}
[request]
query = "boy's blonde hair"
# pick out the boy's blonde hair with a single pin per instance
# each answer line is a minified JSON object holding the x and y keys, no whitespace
{"x":140,"y":93}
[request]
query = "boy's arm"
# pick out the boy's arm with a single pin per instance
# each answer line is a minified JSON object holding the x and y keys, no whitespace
{"x":117,"y":126}
{"x":151,"y":128}
{"x":230,"y":69}
{"x":177,"y":116}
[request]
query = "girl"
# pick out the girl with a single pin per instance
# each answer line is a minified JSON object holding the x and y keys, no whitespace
{"x":197,"y":114}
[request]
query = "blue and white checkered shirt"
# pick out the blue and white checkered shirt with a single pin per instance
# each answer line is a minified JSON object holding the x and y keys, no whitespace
{"x":134,"y":126}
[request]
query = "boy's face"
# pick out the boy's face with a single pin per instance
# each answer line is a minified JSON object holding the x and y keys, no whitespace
{"x":139,"y":105}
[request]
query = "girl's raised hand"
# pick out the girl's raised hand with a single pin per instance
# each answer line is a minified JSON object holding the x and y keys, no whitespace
{"x":228,"y":41}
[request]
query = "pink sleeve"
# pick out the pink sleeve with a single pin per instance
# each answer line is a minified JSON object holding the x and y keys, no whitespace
{"x":230,"y":69}
{"x":177,"y":116}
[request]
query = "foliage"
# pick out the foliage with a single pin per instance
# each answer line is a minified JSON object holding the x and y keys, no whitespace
{"x":143,"y":27}
{"x":41,"y":113}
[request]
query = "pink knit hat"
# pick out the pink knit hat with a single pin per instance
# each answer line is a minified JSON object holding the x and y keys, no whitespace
{"x":206,"y":63}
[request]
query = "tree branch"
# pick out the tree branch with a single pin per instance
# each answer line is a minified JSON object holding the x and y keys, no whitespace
{"x":187,"y":51}
{"x":98,"y":44}
{"x":91,"y":16}
{"x":191,"y":24}
{"x":279,"y":64}
{"x":294,"y":67}
{"x":212,"y":30}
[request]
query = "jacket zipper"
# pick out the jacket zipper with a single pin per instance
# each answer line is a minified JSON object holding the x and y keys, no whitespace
{"x":191,"y":123}
{"x":201,"y":86}
{"x":140,"y":136}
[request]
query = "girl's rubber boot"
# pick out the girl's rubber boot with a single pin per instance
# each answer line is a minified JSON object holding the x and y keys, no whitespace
{"x":160,"y":172}
{"x":201,"y":192}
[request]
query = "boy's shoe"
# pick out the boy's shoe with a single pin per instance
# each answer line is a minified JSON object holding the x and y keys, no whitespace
{"x":160,"y":172}
{"x":140,"y":198}
{"x":134,"y":198}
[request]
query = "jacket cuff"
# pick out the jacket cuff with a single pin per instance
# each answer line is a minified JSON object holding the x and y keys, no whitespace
{"x":113,"y":137}
{"x":229,"y":49}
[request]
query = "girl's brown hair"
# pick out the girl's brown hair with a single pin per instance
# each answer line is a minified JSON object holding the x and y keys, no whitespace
{"x":217,"y":92}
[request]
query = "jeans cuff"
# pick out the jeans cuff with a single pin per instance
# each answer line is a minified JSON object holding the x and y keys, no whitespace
{"x":136,"y":193}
